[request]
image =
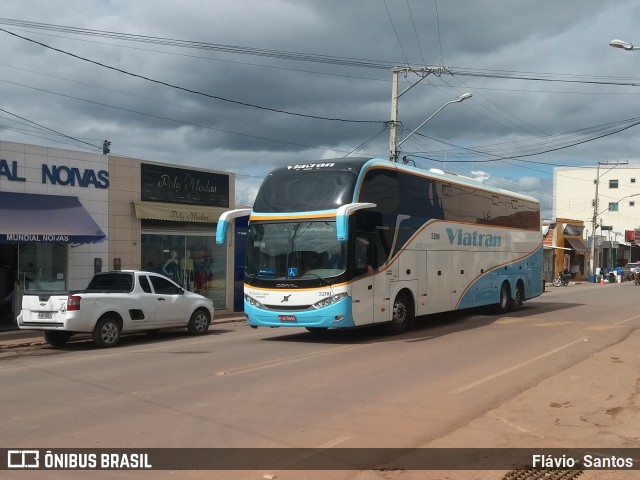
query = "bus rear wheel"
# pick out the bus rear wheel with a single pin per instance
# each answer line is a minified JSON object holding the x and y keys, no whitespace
{"x":505,"y":300}
{"x":402,"y":317}
{"x":517,"y":301}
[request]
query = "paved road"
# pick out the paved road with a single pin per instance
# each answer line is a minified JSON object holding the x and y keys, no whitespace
{"x":566,"y":363}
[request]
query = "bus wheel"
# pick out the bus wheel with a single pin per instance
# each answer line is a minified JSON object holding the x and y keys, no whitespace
{"x":516,"y":302}
{"x":505,"y":300}
{"x":402,"y":315}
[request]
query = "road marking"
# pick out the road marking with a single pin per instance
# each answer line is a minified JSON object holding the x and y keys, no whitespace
{"x":508,"y":321}
{"x":627,"y":320}
{"x":283,"y":361}
{"x":555,"y":324}
{"x":601,"y":328}
{"x":302,"y":456}
{"x":515,"y":367}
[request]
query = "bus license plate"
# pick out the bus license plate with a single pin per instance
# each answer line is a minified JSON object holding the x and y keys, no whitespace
{"x":287,"y":318}
{"x":45,"y":316}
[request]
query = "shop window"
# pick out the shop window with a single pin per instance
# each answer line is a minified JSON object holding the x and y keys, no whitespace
{"x":194,"y":262}
{"x":42,"y":266}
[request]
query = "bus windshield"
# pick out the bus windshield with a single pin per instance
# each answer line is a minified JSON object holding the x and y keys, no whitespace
{"x":294,"y":250}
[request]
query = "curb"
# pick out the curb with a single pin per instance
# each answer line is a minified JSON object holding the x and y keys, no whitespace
{"x":25,"y":338}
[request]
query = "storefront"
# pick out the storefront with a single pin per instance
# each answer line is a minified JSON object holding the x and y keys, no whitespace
{"x":65,"y":215}
{"x":178,"y":211}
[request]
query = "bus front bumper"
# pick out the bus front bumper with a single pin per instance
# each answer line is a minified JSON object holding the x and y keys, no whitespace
{"x":333,"y":316}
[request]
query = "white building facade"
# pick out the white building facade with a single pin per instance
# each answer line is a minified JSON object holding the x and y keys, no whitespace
{"x":612,"y":193}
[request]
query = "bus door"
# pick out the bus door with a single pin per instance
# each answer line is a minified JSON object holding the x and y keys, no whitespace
{"x":370,"y":289}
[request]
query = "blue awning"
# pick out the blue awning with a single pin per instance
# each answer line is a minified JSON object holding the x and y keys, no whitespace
{"x":27,"y":217}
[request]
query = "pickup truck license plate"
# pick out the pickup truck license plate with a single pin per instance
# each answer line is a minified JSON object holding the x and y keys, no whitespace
{"x":45,"y":316}
{"x":287,"y":318}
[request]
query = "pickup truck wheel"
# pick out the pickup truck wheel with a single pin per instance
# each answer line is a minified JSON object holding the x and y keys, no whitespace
{"x":106,"y":333}
{"x":56,"y":339}
{"x":199,"y":322}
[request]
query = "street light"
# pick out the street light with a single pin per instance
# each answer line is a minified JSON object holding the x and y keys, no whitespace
{"x":616,"y":43}
{"x":461,"y":98}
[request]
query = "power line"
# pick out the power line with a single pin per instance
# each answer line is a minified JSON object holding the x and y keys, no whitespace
{"x":166,"y":84}
{"x":47,"y":128}
{"x":625,"y":125}
{"x":208,"y":127}
{"x":415,"y":31}
{"x":325,"y":59}
{"x":396,"y":33}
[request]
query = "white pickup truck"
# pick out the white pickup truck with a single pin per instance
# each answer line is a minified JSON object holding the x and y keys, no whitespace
{"x":115,"y":302}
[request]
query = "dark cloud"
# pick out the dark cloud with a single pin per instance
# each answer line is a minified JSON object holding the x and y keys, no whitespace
{"x":535,"y":41}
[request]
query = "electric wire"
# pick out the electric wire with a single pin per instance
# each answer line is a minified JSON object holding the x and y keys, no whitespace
{"x":396,"y":33}
{"x":166,"y":84}
{"x":47,"y":128}
{"x":435,"y":2}
{"x":415,"y":31}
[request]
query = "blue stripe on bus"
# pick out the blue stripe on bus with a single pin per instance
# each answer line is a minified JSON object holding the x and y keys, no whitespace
{"x":515,"y":271}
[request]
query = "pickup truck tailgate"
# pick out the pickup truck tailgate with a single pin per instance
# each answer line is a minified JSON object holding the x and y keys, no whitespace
{"x":43,"y":308}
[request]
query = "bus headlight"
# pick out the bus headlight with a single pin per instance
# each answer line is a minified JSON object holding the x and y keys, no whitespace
{"x":253,"y":302}
{"x":325,"y":302}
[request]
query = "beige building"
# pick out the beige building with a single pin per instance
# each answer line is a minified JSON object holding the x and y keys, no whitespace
{"x":617,"y":210}
{"x":65,"y":215}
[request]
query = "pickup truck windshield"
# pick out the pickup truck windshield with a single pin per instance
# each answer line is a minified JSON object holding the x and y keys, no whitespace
{"x":111,"y":282}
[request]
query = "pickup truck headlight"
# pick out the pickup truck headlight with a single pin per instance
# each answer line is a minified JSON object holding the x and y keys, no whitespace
{"x":253,"y":302}
{"x":325,"y":302}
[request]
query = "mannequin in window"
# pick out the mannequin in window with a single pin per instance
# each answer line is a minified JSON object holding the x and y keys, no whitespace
{"x":186,"y":265}
{"x":171,"y":266}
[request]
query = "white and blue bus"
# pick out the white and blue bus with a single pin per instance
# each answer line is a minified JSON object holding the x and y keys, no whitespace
{"x":350,"y":242}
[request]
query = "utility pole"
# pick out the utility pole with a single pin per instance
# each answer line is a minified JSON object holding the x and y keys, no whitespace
{"x":393,"y":123}
{"x":592,"y":262}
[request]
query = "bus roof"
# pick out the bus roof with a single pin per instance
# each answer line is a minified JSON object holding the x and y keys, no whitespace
{"x":360,"y":165}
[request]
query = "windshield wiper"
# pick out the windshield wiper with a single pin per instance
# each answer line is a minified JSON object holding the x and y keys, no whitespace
{"x":324,"y":280}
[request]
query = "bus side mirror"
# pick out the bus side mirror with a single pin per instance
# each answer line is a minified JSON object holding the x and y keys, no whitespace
{"x":342,"y":218}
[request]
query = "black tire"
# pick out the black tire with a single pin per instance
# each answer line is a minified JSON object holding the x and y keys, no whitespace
{"x":403,"y":316}
{"x":106,"y":333}
{"x":56,"y":339}
{"x":518,"y":300}
{"x":557,"y":282}
{"x":505,"y":300}
{"x":199,"y":322}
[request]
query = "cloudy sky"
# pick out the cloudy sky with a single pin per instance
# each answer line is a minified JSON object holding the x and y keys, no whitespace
{"x":249,"y":85}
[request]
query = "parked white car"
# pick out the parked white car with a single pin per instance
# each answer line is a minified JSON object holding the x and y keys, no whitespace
{"x":115,"y":302}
